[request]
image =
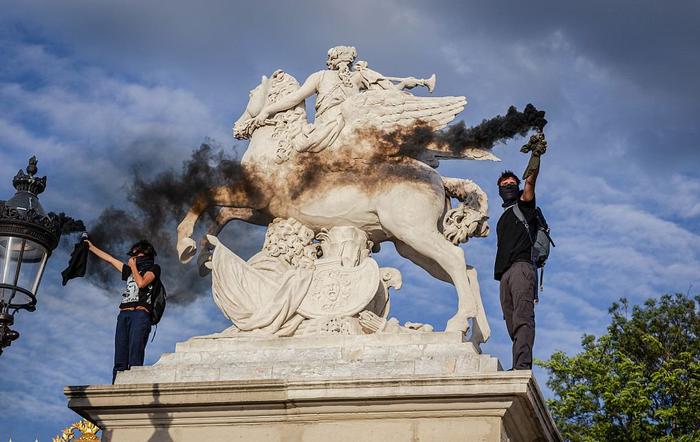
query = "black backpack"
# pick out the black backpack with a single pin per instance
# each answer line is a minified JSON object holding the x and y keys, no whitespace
{"x":541,"y":243}
{"x":158,"y":300}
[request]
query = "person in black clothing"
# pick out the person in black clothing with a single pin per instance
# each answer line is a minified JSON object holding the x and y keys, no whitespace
{"x":514,"y":266}
{"x":134,"y":321}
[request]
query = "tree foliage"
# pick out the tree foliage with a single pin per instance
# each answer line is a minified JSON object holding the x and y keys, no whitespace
{"x":640,"y":381}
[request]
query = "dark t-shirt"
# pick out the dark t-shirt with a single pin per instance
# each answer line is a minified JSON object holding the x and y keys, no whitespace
{"x":133,"y":296}
{"x":513,"y":242}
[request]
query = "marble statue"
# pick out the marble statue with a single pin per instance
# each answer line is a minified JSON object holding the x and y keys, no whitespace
{"x":294,"y":286}
{"x":331,"y":191}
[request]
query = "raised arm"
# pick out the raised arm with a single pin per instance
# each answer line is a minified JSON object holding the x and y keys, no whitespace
{"x":537,"y":146}
{"x":530,"y":181}
{"x":306,"y":90}
{"x":105,"y":256}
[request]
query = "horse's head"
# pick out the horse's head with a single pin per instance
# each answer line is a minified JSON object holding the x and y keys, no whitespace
{"x":267,"y":92}
{"x":256,"y":101}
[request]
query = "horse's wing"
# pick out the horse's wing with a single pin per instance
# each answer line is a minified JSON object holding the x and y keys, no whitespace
{"x":390,"y":110}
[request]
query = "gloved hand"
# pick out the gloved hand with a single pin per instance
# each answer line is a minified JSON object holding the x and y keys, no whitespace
{"x":538,"y":146}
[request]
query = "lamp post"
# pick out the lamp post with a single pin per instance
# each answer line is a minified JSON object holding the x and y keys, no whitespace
{"x":28,"y":235}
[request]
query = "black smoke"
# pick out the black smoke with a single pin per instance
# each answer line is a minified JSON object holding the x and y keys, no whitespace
{"x":457,"y":137}
{"x":156,"y":205}
{"x":67,"y":224}
{"x":494,"y":130}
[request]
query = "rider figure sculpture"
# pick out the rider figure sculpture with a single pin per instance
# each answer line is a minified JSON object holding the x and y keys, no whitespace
{"x":332,"y":86}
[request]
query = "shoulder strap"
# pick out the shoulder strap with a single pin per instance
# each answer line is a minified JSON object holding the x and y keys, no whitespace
{"x":521,"y":217}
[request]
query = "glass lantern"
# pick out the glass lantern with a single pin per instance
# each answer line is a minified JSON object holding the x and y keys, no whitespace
{"x":28,"y":235}
{"x":22,"y":264}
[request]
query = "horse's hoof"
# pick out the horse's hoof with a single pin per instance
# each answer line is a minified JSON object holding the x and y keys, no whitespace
{"x":458,"y":323}
{"x":186,"y":249}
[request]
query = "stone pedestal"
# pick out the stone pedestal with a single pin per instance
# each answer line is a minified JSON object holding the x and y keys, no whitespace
{"x":404,"y":387}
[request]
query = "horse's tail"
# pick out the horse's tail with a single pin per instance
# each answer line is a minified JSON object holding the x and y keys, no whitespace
{"x":469,"y":218}
{"x":462,"y":189}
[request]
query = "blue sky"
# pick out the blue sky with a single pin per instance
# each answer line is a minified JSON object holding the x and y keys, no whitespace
{"x":96,"y":89}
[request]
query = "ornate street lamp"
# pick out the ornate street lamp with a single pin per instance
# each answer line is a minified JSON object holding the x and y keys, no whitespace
{"x":27,"y":237}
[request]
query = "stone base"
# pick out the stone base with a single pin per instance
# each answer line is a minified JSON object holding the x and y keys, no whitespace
{"x":245,"y":356}
{"x":412,"y":387}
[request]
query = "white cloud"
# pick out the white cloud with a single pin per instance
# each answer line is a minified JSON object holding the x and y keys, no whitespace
{"x":613,"y":244}
{"x":84,"y":124}
{"x":624,"y":224}
{"x":97,"y":125}
{"x":456,"y":59}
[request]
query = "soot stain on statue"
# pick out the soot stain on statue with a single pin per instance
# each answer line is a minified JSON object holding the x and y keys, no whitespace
{"x":391,"y":156}
{"x":311,"y":172}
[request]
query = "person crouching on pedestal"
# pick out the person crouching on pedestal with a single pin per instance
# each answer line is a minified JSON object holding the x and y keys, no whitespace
{"x":141,"y":274}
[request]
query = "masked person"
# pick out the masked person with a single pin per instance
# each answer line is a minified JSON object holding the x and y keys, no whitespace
{"x":141,"y":273}
{"x":514,"y":266}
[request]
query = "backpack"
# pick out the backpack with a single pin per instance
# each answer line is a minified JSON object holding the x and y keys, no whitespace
{"x":158,"y":301}
{"x":541,"y":242}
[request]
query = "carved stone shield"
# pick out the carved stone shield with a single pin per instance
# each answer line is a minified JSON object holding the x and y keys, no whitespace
{"x":340,"y":291}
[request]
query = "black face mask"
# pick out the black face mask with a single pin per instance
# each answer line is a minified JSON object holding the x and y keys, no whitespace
{"x":509,"y":193}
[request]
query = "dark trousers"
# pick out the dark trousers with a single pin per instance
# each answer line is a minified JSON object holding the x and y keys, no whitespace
{"x":518,"y":285}
{"x":133,"y":328}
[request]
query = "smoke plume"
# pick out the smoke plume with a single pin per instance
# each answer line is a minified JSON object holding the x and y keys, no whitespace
{"x":68,"y":225}
{"x":457,"y":137}
{"x":156,"y":206}
{"x":493,"y":130}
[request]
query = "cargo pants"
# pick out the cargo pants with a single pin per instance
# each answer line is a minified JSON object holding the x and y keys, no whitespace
{"x":517,"y":292}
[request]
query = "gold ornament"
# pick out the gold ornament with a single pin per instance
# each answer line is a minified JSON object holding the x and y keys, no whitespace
{"x":87,"y":432}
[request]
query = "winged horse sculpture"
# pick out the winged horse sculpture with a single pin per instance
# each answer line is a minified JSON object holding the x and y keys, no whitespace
{"x":345,"y":169}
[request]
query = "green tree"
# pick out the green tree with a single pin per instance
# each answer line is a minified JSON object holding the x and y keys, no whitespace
{"x":640,"y":381}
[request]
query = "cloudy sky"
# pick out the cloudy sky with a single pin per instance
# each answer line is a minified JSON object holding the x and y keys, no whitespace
{"x":99,"y":89}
